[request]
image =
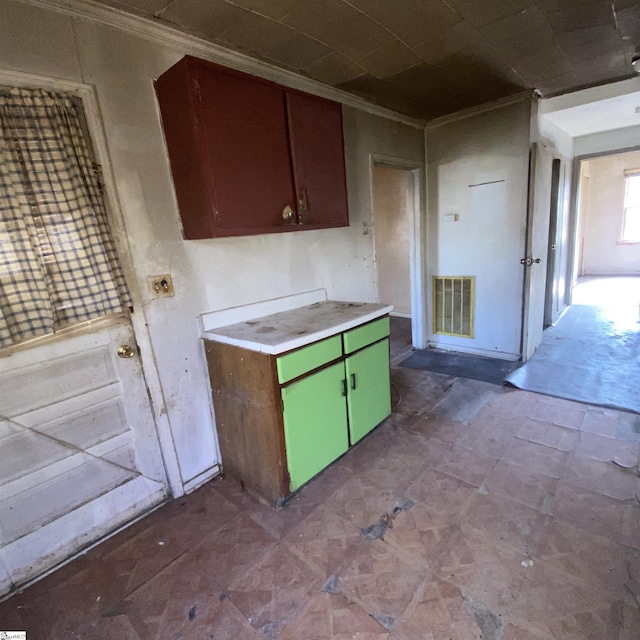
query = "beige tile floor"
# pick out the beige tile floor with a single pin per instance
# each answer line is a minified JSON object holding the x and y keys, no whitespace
{"x":509,"y":515}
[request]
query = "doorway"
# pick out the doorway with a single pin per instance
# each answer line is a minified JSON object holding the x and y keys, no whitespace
{"x":607,"y":237}
{"x":398,"y":246}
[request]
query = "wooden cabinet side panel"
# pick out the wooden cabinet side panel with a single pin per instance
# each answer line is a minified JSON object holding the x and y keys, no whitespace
{"x":175,"y":91}
{"x":248,"y":414}
{"x":317,"y":153}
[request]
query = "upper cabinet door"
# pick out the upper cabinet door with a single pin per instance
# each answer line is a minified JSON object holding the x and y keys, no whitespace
{"x":244,"y":121}
{"x":249,"y":156}
{"x":317,"y":153}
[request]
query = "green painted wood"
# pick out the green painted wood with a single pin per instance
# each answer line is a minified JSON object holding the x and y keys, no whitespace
{"x":369,"y":399}
{"x":297,"y":362}
{"x":315,"y":423}
{"x":367,"y":334}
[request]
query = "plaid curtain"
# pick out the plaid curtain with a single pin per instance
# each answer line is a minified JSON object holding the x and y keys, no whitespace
{"x":58,"y":262}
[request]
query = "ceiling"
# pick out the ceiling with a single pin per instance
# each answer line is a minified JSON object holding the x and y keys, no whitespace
{"x":422,"y":58}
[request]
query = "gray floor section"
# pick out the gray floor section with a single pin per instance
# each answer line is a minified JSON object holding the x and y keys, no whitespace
{"x":591,"y":355}
{"x":461,"y":365}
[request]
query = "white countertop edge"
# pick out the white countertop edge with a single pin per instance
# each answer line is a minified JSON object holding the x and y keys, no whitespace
{"x":276,"y":349}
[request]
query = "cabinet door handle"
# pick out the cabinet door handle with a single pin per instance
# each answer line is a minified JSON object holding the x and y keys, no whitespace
{"x":287,"y":213}
{"x":344,"y":388}
{"x":353,"y":381}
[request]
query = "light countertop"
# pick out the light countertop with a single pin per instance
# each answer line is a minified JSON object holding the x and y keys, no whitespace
{"x":288,"y":330}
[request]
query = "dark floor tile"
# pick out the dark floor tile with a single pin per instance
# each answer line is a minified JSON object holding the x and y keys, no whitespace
{"x":166,"y":606}
{"x":330,"y":616}
{"x":231,"y":549}
{"x":535,"y":456}
{"x":554,"y":605}
{"x":465,"y":464}
{"x":597,"y":514}
{"x":504,"y":522}
{"x":525,"y":486}
{"x":362,"y":502}
{"x":609,"y":449}
{"x":323,"y":540}
{"x":550,"y":435}
{"x":219,"y":621}
{"x":381,"y":579}
{"x":438,"y":613}
{"x":272,"y":593}
{"x":593,"y":561}
{"x":606,"y":478}
{"x":485,"y":571}
{"x":601,"y":422}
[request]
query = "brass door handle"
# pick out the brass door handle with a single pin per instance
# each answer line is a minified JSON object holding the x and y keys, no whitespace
{"x":125,"y":351}
{"x":287,"y":214}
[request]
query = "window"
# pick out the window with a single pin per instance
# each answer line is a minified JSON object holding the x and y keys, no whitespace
{"x":58,"y":263}
{"x":631,"y":217}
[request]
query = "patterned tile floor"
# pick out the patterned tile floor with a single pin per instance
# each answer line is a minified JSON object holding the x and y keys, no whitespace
{"x":517,"y":518}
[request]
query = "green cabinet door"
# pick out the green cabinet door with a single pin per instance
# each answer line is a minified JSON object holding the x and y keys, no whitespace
{"x":369,"y":389}
{"x":315,"y":423}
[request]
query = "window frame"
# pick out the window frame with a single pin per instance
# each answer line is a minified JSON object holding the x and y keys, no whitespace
{"x":628,"y":174}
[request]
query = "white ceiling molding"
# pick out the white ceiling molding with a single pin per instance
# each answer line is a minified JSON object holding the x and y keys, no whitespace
{"x":528,"y":94}
{"x":193,"y":45}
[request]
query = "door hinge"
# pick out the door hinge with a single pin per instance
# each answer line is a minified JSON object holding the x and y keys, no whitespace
{"x":527,"y":262}
{"x":97,"y":171}
{"x":282,"y":404}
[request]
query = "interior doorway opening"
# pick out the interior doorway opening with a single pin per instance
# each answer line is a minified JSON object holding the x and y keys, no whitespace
{"x":607,"y":239}
{"x":398,"y":246}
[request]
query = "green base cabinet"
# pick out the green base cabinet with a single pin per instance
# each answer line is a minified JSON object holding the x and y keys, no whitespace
{"x":282,"y":419}
{"x":329,"y":410}
{"x":369,"y":397}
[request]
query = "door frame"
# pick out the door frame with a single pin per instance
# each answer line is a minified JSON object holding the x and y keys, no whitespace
{"x":576,"y":221}
{"x":417,"y":262}
{"x":553,"y":244}
{"x":88,"y":95}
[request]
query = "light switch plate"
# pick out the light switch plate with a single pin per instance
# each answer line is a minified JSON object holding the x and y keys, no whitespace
{"x":161,"y":286}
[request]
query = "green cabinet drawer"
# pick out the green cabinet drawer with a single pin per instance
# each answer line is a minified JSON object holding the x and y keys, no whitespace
{"x":366,"y":334}
{"x":296,"y":363}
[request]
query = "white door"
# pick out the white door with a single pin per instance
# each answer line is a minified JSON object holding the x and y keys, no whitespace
{"x":79,"y":449}
{"x":80,"y":454}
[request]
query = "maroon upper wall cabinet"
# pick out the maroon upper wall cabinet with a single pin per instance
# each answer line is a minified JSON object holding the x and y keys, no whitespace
{"x":249,"y":156}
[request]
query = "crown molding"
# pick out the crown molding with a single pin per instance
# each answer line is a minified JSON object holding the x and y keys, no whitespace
{"x":163,"y":34}
{"x":482,"y":108}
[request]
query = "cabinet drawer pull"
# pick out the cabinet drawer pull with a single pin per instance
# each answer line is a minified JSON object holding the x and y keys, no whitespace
{"x":344,"y":388}
{"x":353,"y":381}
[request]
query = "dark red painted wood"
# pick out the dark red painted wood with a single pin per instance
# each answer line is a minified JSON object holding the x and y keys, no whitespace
{"x":244,"y":121}
{"x":185,"y":144}
{"x":317,"y":151}
{"x":241,"y":149}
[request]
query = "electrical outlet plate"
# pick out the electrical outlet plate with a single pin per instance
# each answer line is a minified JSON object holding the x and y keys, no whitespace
{"x":161,"y":286}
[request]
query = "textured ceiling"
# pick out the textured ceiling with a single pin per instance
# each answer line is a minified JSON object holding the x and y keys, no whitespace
{"x":423,"y":58}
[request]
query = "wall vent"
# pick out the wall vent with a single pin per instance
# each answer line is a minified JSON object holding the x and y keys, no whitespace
{"x":453,"y":301}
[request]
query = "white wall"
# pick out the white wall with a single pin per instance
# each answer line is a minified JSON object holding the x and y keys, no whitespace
{"x":602,"y":253}
{"x":606,"y":141}
{"x":207,"y":274}
{"x":477,"y":170}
